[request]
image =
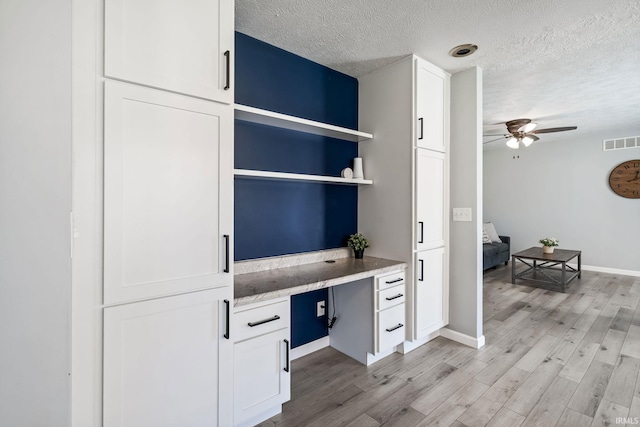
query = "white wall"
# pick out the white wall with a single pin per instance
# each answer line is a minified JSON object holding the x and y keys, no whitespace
{"x":35,"y":199}
{"x":465,"y":258}
{"x":560,"y":189}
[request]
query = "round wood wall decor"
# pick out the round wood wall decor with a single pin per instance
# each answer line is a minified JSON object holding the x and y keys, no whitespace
{"x":624,"y":179}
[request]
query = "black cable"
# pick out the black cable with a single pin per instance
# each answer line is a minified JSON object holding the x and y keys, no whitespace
{"x":333,"y":319}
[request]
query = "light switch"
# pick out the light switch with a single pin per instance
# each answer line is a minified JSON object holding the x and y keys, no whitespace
{"x":462,"y":214}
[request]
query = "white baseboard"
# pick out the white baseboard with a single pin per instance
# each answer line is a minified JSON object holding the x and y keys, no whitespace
{"x":462,"y":338}
{"x":271,"y":412}
{"x":609,"y":270}
{"x":309,"y":348}
{"x":408,"y":346}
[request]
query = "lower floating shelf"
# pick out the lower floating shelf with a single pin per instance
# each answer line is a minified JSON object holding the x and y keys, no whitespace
{"x":247,"y":173}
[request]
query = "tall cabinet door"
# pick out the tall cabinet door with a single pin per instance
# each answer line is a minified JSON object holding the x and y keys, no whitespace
{"x":430,"y":200}
{"x":168,"y":193}
{"x":431,"y":106}
{"x":184,"y":46}
{"x":164,"y":360}
{"x":431,"y":293}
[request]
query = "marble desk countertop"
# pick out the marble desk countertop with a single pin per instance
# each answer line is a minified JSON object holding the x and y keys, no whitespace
{"x":278,"y":282}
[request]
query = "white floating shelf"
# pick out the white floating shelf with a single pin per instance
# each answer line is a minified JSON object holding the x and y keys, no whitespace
{"x":298,"y":177}
{"x":270,"y":118}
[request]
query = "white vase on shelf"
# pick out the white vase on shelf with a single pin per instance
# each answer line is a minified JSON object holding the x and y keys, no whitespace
{"x":358,"y":173}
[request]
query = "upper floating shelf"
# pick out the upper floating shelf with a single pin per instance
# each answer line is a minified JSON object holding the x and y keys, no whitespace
{"x":256,"y":115}
{"x":248,"y":173}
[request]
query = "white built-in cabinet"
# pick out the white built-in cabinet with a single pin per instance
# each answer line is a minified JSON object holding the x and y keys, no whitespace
{"x":164,"y":360}
{"x":261,"y":371}
{"x":182,"y":46}
{"x":405,"y":215}
{"x":168,"y":213}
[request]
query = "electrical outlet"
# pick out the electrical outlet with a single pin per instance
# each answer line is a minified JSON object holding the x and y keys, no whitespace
{"x":462,"y":214}
{"x":320,"y":308}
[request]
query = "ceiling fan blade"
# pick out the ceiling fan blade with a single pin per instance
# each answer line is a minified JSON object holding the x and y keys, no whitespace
{"x":549,"y":130}
{"x":493,"y":140}
{"x":497,"y":134}
{"x":530,"y":135}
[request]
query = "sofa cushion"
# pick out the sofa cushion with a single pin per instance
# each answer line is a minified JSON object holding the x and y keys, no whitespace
{"x":491,"y":231}
{"x":485,"y":237}
{"x":501,"y":247}
{"x":489,"y":249}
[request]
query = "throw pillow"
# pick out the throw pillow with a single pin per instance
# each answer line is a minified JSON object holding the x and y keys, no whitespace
{"x":491,"y":231}
{"x":485,"y":237}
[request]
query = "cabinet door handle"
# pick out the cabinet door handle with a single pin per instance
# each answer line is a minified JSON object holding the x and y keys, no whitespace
{"x":421,"y":120}
{"x":262,"y":322}
{"x":227,"y":55}
{"x":392,"y":298}
{"x":421,"y":225}
{"x":226,"y":253}
{"x":394,"y":281}
{"x":421,"y":270}
{"x":226,"y":303}
{"x":287,"y":363}
{"x":398,"y":326}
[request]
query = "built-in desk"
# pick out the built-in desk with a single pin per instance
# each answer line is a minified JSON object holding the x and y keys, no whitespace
{"x":291,"y":280}
{"x":369,"y":305}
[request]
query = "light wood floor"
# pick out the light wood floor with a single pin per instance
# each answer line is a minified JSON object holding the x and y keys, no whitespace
{"x":551,"y":359}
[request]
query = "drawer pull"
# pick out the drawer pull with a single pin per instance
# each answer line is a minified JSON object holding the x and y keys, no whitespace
{"x":227,"y":333}
{"x":261,"y":322}
{"x":227,"y":55}
{"x":421,"y":224}
{"x":392,"y":298}
{"x":394,"y":281}
{"x":398,"y":326}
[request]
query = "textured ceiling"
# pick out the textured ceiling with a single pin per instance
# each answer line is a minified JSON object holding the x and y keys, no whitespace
{"x":558,"y":62}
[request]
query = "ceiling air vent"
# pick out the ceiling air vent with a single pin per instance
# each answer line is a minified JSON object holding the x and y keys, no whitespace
{"x":621,"y":143}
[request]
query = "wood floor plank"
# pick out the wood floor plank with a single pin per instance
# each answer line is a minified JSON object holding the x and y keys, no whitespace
{"x":442,"y":391}
{"x":499,"y":366}
{"x":610,"y":347}
{"x":607,"y":414}
{"x":502,"y":390}
{"x":480,"y":412}
{"x":539,"y":352}
{"x":363,"y":420}
{"x":571,"y":418}
{"x":631,"y":345}
{"x":577,"y":365}
{"x":407,"y":417}
{"x":634,"y":410}
{"x":526,"y":397}
{"x":567,"y":346}
{"x":551,"y":405}
{"x":506,"y":417}
{"x":455,"y":405}
{"x":586,"y":398}
{"x":623,"y":381}
{"x":623,"y":319}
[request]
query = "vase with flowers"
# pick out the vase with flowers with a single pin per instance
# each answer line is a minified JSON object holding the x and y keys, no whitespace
{"x":548,"y":244}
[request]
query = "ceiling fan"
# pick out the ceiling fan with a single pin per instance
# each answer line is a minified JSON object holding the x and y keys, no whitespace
{"x":524,"y":130}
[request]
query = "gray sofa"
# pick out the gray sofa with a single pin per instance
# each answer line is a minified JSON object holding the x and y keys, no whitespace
{"x":495,"y":253}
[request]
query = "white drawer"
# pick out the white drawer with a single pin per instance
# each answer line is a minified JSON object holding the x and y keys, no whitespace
{"x":390,"y":297}
{"x":390,"y":280}
{"x":257,"y":319}
{"x":390,"y":327}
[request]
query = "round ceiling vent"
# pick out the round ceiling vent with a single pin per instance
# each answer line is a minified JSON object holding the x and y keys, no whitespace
{"x":463,"y":50}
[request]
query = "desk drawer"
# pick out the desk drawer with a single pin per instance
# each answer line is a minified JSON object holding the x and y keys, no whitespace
{"x":261,"y":318}
{"x":390,"y":297}
{"x":390,"y":280}
{"x":390,"y":327}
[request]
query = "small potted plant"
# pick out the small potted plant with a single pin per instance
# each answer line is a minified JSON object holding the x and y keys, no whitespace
{"x":358,"y":243}
{"x":548,"y":243}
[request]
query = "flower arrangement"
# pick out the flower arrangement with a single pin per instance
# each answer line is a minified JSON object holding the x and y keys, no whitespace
{"x":358,"y":242}
{"x":549,"y":242}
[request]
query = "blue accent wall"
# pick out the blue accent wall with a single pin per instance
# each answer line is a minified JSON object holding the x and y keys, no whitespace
{"x":305,"y":325}
{"x":283,"y":217}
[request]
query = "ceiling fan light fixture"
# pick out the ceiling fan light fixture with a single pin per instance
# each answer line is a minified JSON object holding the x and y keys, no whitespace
{"x":463,"y":50}
{"x":527,"y":140}
{"x":513,"y":143}
{"x":528,"y":127}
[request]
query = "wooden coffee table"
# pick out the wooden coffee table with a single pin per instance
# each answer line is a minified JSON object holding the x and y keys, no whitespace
{"x":547,"y":268}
